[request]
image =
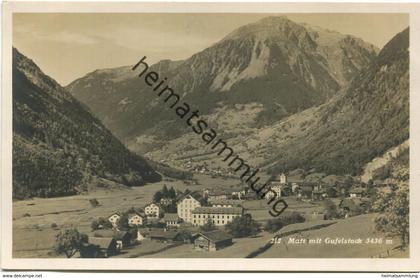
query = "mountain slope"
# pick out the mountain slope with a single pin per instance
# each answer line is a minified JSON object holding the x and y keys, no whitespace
{"x":370,"y":118}
{"x":284,"y":66}
{"x":339,"y":137}
{"x":58,"y":145}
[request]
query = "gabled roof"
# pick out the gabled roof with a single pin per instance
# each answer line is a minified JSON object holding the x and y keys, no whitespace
{"x":134,"y":214}
{"x":226,"y":202}
{"x":216,"y":236}
{"x":118,"y":235}
{"x":117,"y":213}
{"x":170,"y":217}
{"x":160,"y":233}
{"x":195,"y":195}
{"x":152,"y":203}
{"x":102,"y":242}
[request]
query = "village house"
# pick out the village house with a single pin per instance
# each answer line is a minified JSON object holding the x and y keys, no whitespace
{"x":165,"y":201}
{"x":318,"y":194}
{"x":282,"y":178}
{"x":295,"y":187}
{"x":136,"y":219}
{"x":219,"y":215}
{"x":122,"y":238}
{"x":238,"y":193}
{"x":114,"y":219}
{"x":305,"y":192}
{"x":99,"y":247}
{"x":165,"y":235}
{"x":218,"y":195}
{"x":357,"y":192}
{"x":171,"y":220}
{"x":212,"y":241}
{"x":185,"y":206}
{"x":152,"y":210}
{"x":274,"y":193}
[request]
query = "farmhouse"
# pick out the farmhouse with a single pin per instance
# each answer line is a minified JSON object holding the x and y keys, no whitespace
{"x":100,"y":247}
{"x":218,"y":195}
{"x":136,"y":219}
{"x":305,"y":192}
{"x":212,"y":241}
{"x":219,"y":215}
{"x":186,"y":205}
{"x":274,"y":193}
{"x":152,"y":210}
{"x":357,"y":192}
{"x":114,"y":218}
{"x":122,"y":238}
{"x":171,"y":220}
{"x":164,"y":235}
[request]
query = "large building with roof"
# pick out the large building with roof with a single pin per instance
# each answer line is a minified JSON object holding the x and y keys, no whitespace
{"x":186,"y":205}
{"x":218,"y":215}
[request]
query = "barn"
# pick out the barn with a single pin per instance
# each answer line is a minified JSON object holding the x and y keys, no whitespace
{"x":212,"y":241}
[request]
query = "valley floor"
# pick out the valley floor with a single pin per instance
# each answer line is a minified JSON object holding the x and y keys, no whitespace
{"x":34,"y":234}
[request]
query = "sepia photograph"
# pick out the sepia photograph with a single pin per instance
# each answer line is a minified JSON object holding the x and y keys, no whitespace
{"x":210,"y":135}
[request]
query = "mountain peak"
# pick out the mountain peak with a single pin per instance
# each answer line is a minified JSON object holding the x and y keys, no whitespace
{"x":272,"y":26}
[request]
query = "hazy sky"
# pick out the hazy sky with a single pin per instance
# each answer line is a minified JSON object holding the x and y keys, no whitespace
{"x":67,"y":46}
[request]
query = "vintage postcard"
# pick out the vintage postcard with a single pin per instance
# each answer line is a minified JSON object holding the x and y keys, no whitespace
{"x":188,"y":136}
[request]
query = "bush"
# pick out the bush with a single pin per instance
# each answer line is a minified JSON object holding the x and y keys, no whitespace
{"x":243,"y":226}
{"x":94,"y":202}
{"x":273,"y":225}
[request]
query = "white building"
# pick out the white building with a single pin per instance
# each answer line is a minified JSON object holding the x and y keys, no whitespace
{"x":171,"y":220}
{"x":152,"y":210}
{"x":283,"y":178}
{"x":218,"y":215}
{"x":114,"y":219}
{"x":275,"y":188}
{"x":136,"y":219}
{"x":185,"y":207}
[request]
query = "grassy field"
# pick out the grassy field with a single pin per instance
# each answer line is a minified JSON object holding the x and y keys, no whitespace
{"x":33,"y":236}
{"x":32,"y":232}
{"x":355,"y":227}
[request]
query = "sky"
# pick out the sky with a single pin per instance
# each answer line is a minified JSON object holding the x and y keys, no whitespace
{"x":66,"y":46}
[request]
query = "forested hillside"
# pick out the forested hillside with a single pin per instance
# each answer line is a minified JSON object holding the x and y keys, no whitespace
{"x":58,"y":145}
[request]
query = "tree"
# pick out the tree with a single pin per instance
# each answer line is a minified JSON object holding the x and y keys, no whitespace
{"x":243,"y":226}
{"x":209,"y":226}
{"x":273,"y":225}
{"x":157,"y":196}
{"x":395,"y":218}
{"x":331,"y":192}
{"x":123,"y":222}
{"x":165,"y":191}
{"x":172,"y":193}
{"x":330,"y":208}
{"x":94,"y":225}
{"x":69,"y":241}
